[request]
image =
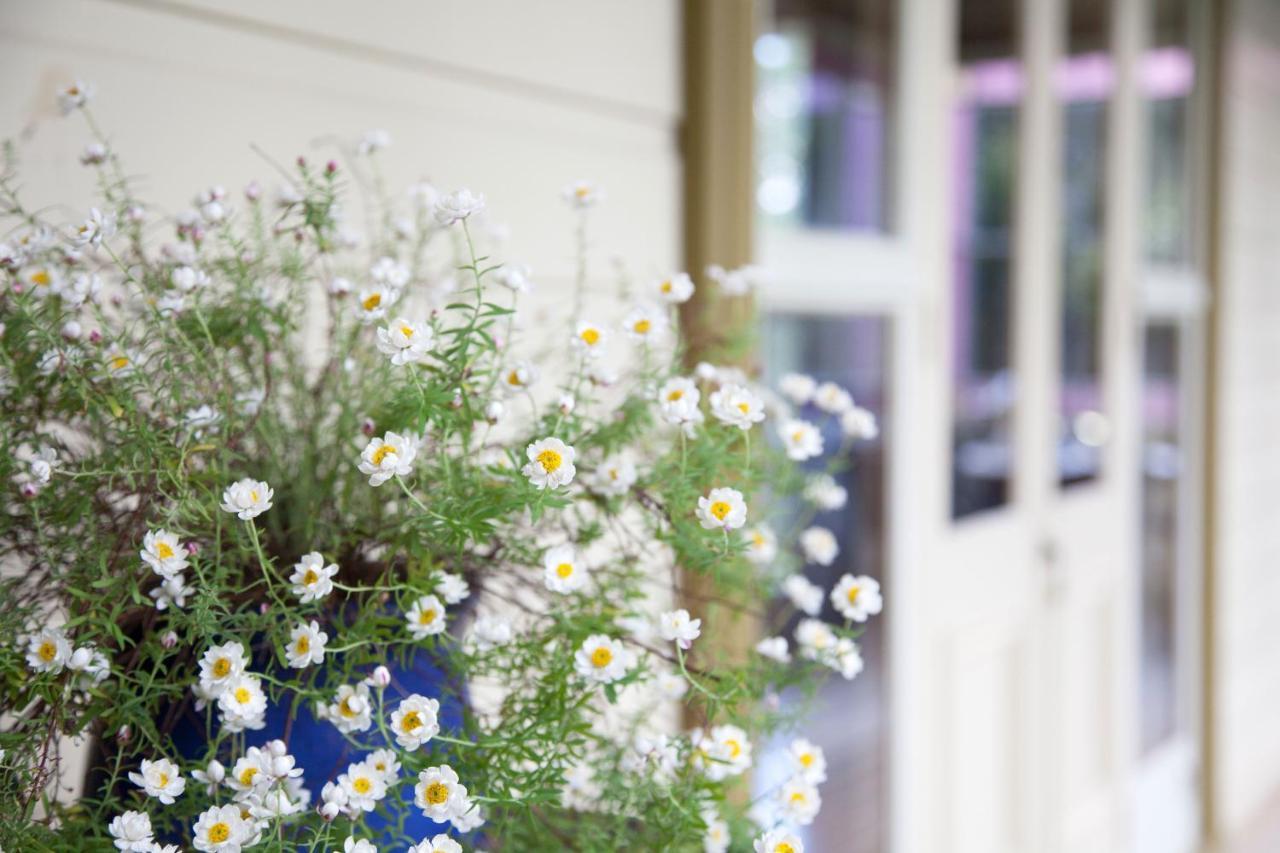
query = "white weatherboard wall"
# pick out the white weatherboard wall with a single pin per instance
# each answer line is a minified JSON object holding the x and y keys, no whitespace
{"x":1247,"y":423}
{"x":510,"y":98}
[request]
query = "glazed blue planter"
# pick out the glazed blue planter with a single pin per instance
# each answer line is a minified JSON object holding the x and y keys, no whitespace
{"x":323,"y":753}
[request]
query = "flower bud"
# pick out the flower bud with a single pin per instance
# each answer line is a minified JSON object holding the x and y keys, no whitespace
{"x":124,"y":734}
{"x":329,"y":811}
{"x":367,"y":426}
{"x":169,"y":640}
{"x":80,"y":659}
{"x":456,"y":402}
{"x":95,"y":336}
{"x":381,"y":676}
{"x":253,"y":191}
{"x":215,"y":771}
{"x":567,"y":403}
{"x":493,"y":411}
{"x":71,"y":330}
{"x":331,"y":167}
{"x":193,"y":548}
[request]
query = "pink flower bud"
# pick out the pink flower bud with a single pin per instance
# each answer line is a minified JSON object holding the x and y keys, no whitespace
{"x":381,"y":676}
{"x":367,"y":426}
{"x":329,"y":811}
{"x":253,"y":191}
{"x":331,"y":167}
{"x":124,"y":734}
{"x":169,"y":640}
{"x":193,"y":548}
{"x":95,"y":336}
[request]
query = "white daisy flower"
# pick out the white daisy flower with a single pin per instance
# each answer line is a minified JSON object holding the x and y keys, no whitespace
{"x":831,"y":398}
{"x":160,"y":779}
{"x":518,"y":377}
{"x":550,"y":463}
{"x":92,"y":664}
{"x":762,"y":545}
{"x":415,"y":721}
{"x":825,"y":493}
{"x":84,"y":288}
{"x":452,"y":588}
{"x":678,"y":398}
{"x":440,"y":843}
{"x":581,"y":195}
{"x":859,"y":424}
{"x":312,"y":580}
{"x":736,"y":405}
{"x":469,"y":817}
{"x":722,"y":752}
{"x":373,"y":140}
{"x":73,"y":97}
{"x":372,"y":303}
{"x":201,"y":419}
{"x":48,"y":651}
{"x":358,"y":845}
{"x":857,"y":597}
{"x":119,"y":362}
{"x":513,"y":278}
{"x":389,"y":456}
{"x":364,"y":786}
{"x":351,"y":709}
{"x":220,"y":665}
{"x":211,"y":776}
{"x":386,"y":763}
{"x":774,"y":648}
{"x":722,"y":508}
{"x":405,"y":342}
{"x":799,"y":802}
{"x":306,"y":645}
{"x":615,"y":476}
{"x":671,"y":685}
{"x":801,"y":439}
{"x":602,"y":659}
{"x":810,"y":763}
{"x":222,"y":829}
{"x":97,"y":227}
{"x":172,"y":592}
{"x":562,"y":571}
{"x":815,"y":638}
{"x":438,"y":793}
{"x":803,"y":594}
{"x":589,"y":339}
{"x":457,"y":206}
{"x":675,"y":288}
{"x":798,"y":387}
{"x":490,"y":632}
{"x":819,"y":545}
{"x":846,"y":658}
{"x":250,"y":772}
{"x":676,"y":626}
{"x":187,"y":279}
{"x":735,"y":282}
{"x":247,"y":498}
{"x":42,"y":281}
{"x":242,"y":704}
{"x":426,"y":617}
{"x":779,"y":841}
{"x":132,"y":832}
{"x":645,"y":323}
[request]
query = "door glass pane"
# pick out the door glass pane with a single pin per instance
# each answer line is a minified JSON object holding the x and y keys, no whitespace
{"x":824,"y":113}
{"x":984,"y":152}
{"x":1162,"y":469}
{"x":1084,"y":82}
{"x":849,"y":719}
{"x":1168,"y":77}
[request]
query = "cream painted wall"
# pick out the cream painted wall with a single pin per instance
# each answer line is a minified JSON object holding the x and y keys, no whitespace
{"x":509,"y":98}
{"x":1246,"y":770}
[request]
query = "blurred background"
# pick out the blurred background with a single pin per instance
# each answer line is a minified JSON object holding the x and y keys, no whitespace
{"x":1038,"y":238}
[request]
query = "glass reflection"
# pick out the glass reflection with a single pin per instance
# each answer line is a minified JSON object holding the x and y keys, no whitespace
{"x":823,"y":113}
{"x":849,"y":718}
{"x":1167,"y":79}
{"x":1084,"y":81}
{"x":984,"y":177}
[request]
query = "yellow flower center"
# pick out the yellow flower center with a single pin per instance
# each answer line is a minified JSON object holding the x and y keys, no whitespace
{"x":549,"y":460}
{"x":302,"y":645}
{"x":806,"y":760}
{"x":797,"y":436}
{"x":564,"y":569}
{"x":613,"y":473}
{"x":310,"y":577}
{"x":601,"y":657}
{"x":243,"y":695}
{"x":642,"y":327}
{"x":853,"y":594}
{"x":120,"y":362}
{"x":47,"y":651}
{"x":222,"y":667}
{"x":163,"y":550}
{"x":41,"y":278}
{"x":513,"y":378}
{"x":735,"y":748}
{"x":720,"y":509}
{"x":382,"y":452}
{"x":246,"y":778}
{"x":582,"y":192}
{"x":784,"y":847}
{"x":345,"y":709}
{"x":427,"y":616}
{"x":219,"y":832}
{"x":162,"y":779}
{"x":406,"y":330}
{"x":590,"y":336}
{"x":744,"y":408}
{"x":757,"y":539}
{"x":371,"y":301}
{"x":411,"y":721}
{"x":73,"y":91}
{"x":666,"y":287}
{"x":798,"y":797}
{"x":253,"y":495}
{"x":362,"y":785}
{"x":437,"y":793}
